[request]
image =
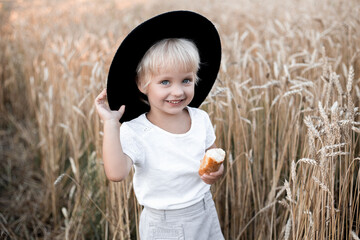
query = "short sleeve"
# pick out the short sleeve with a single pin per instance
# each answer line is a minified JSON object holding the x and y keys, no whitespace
{"x":210,"y":133}
{"x":130,"y":144}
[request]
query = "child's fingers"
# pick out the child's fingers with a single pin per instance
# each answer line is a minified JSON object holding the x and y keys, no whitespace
{"x":204,"y":178}
{"x":209,"y":176}
{"x":121,"y":110}
{"x":101,"y":96}
{"x":214,"y":176}
{"x":218,"y":172}
{"x":208,"y":179}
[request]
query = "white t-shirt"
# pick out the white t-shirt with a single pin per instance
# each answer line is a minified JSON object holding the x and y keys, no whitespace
{"x":166,"y":164}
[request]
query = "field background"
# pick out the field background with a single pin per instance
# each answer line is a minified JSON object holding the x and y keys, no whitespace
{"x":285,"y":108}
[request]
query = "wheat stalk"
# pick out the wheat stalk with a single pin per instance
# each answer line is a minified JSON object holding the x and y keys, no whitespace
{"x":275,"y":70}
{"x":322,"y":185}
{"x":287,"y":229}
{"x":308,"y":161}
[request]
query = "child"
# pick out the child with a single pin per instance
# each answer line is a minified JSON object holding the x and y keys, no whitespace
{"x":162,"y":71}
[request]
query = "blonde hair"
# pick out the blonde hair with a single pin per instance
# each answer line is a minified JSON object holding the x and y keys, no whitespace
{"x":168,"y":54}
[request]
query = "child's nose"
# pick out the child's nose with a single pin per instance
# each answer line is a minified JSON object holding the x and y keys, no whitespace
{"x":178,"y":90}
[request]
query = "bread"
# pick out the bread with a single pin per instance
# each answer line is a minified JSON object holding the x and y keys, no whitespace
{"x":212,"y":160}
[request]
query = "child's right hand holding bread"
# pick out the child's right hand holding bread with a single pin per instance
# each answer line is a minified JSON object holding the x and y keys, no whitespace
{"x":211,"y":166}
{"x":211,"y":178}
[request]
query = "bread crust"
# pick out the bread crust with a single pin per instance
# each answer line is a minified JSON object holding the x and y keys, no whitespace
{"x":208,"y":165}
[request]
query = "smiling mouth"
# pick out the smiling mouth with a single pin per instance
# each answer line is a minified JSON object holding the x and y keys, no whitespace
{"x":174,"y":101}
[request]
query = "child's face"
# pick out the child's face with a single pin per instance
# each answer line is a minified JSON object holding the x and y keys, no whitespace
{"x":170,"y":91}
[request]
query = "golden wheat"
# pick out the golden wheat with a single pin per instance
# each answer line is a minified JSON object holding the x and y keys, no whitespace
{"x":284,"y":108}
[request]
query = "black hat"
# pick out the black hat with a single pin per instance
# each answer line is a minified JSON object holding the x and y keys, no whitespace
{"x":121,"y":84}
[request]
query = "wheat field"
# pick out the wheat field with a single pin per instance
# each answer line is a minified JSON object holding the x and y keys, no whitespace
{"x":285,"y":108}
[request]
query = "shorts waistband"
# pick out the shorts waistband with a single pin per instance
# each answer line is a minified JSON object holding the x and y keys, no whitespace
{"x":199,"y":206}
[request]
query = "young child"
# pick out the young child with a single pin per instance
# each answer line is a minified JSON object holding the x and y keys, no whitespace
{"x":162,"y":71}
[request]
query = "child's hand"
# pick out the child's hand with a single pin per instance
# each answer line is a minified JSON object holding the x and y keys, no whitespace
{"x":104,"y":111}
{"x":214,"y":176}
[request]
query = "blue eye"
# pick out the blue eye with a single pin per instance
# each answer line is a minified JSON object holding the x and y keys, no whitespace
{"x":186,"y":81}
{"x":165,"y":82}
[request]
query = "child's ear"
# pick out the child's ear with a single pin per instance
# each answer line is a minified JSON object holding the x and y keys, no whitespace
{"x":141,"y":87}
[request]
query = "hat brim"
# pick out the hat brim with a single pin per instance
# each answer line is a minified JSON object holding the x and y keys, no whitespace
{"x":121,"y":85}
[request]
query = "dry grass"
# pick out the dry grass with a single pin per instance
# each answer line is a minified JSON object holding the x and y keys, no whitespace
{"x":285,"y":109}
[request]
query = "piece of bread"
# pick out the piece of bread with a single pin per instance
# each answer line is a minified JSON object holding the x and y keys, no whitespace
{"x":212,"y":160}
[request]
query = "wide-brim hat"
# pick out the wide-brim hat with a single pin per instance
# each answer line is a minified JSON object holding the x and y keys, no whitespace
{"x":121,"y":85}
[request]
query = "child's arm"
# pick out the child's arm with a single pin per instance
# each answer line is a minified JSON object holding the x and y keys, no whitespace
{"x":117,"y":164}
{"x":214,"y":176}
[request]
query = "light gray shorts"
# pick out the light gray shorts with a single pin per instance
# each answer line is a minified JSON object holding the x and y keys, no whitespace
{"x":196,"y":222}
